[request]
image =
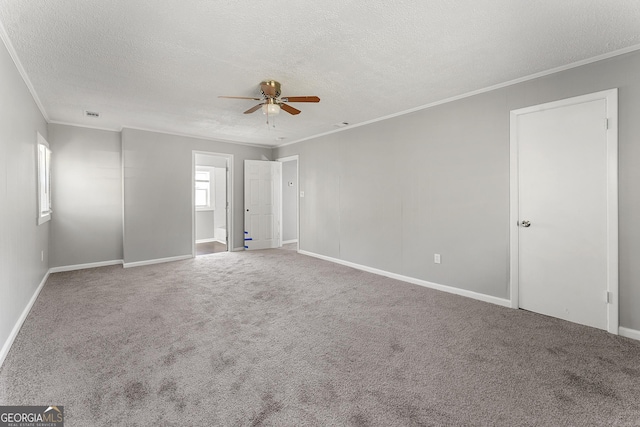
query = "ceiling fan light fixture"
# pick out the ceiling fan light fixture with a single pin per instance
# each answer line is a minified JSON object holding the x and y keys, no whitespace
{"x":270,"y":109}
{"x":272,"y":103}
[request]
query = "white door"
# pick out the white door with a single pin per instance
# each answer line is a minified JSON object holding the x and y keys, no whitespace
{"x":262,"y":181}
{"x":564,"y":193}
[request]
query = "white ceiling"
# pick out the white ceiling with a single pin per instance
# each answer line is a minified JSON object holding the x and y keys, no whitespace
{"x":161,"y":64}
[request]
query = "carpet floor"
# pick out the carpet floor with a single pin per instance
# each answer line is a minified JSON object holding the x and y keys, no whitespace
{"x":280,"y":339}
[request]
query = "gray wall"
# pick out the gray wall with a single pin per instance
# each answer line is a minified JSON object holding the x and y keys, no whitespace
{"x":157,"y":192}
{"x":21,"y":240}
{"x":289,"y":200}
{"x":391,"y":194}
{"x":87,"y":195}
{"x":204,"y":225}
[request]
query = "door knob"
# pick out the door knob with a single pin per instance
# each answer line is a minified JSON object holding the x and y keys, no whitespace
{"x":525,"y":224}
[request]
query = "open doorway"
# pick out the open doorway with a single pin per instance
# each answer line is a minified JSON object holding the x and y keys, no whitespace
{"x":290,"y":208}
{"x":211,"y":190}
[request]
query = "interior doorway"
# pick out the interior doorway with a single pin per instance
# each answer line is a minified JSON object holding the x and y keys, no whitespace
{"x":564,"y":229}
{"x":211,"y":203}
{"x":290,"y":203}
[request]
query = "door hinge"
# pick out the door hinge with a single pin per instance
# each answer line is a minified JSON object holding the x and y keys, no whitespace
{"x":608,"y":297}
{"x":606,"y":123}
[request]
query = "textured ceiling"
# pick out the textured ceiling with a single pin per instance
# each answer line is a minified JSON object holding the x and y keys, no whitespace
{"x":160,"y":64}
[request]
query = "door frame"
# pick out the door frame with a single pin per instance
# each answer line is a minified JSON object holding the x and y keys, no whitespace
{"x":229,"y":158}
{"x":611,"y":296}
{"x":295,"y":157}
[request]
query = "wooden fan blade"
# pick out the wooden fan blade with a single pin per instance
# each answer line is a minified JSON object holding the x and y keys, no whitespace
{"x":252,"y":109}
{"x":300,"y":99}
{"x":268,"y":90}
{"x":240,"y":97}
{"x":289,"y":109}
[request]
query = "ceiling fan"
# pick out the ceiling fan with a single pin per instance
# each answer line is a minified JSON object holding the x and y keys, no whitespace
{"x":271,"y":100}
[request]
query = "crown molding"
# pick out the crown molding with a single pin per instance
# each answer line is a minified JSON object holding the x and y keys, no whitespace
{"x":204,"y":138}
{"x":477,"y":92}
{"x":14,"y":56}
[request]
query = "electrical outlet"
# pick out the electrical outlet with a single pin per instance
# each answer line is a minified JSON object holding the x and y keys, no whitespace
{"x":436,"y":258}
{"x":302,"y":194}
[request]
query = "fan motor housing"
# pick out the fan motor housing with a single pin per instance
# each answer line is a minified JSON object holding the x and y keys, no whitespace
{"x":274,"y":84}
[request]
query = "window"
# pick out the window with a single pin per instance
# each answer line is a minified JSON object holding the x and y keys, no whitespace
{"x":44,"y":181}
{"x":203,"y":189}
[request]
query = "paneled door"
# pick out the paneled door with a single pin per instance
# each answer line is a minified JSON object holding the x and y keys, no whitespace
{"x":262,"y":192}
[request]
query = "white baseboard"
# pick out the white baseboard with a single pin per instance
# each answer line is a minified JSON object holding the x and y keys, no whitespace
{"x":286,"y":242}
{"x":450,"y":289}
{"x":85,"y":266}
{"x":238,"y":249}
{"x":212,"y":239}
{"x":156,"y":261}
{"x":629,"y":333}
{"x":16,"y":328}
